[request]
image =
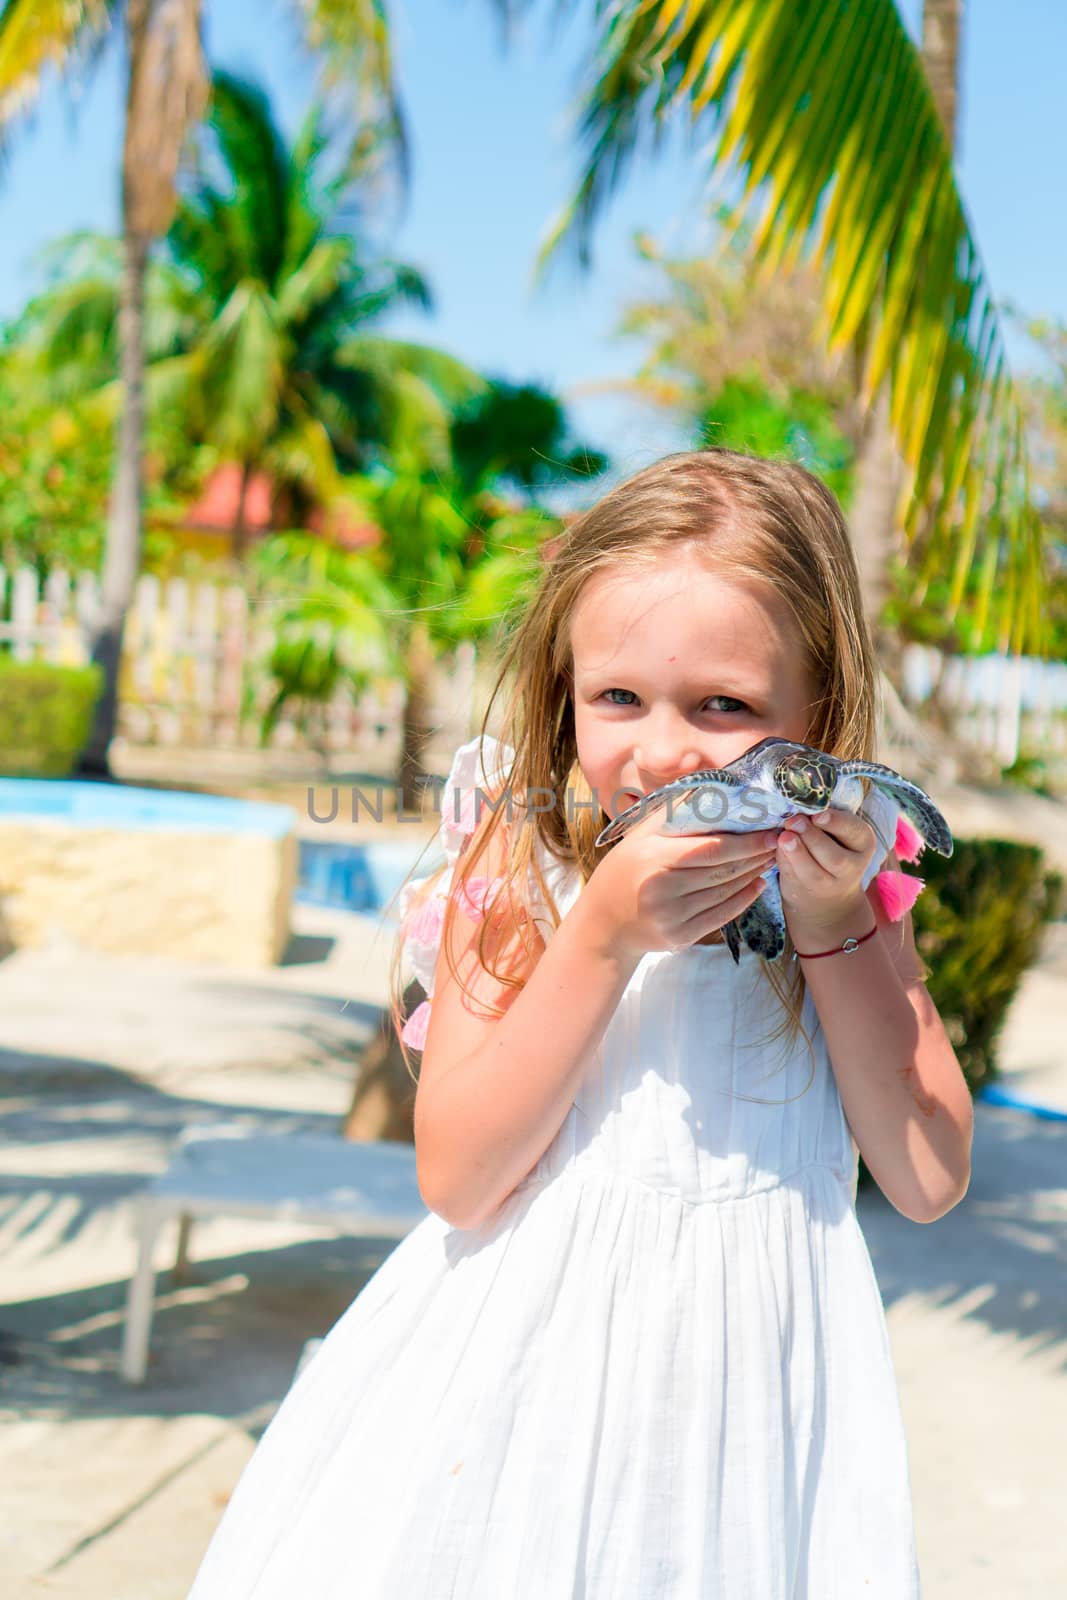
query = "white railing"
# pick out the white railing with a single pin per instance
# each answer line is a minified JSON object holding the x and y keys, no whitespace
{"x":1008,"y":705}
{"x":192,"y":656}
{"x":192,"y":653}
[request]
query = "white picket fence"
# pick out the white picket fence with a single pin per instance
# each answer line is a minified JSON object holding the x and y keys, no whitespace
{"x":1008,"y":705}
{"x":191,"y":648}
{"x":192,"y":655}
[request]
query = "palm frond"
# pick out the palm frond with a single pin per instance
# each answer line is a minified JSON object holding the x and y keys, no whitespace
{"x":823,"y":111}
{"x":254,"y":153}
{"x":245,"y":349}
{"x":208,"y":238}
{"x":417,"y":421}
{"x":388,"y":283}
{"x":38,"y":34}
{"x":452,"y":378}
{"x":313,"y":281}
{"x":303,"y":453}
{"x":352,"y":37}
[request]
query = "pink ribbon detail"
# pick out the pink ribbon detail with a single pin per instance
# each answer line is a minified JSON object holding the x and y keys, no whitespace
{"x":898,"y":892}
{"x":476,"y":896}
{"x":414,"y":1029}
{"x":909,"y":842}
{"x":427,"y":921}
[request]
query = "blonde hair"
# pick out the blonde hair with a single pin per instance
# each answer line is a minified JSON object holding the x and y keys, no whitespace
{"x":766,"y":521}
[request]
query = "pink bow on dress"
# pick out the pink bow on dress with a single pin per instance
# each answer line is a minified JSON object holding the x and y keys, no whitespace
{"x":474,"y":898}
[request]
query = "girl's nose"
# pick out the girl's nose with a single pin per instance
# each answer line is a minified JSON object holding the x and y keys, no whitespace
{"x":658,"y":765}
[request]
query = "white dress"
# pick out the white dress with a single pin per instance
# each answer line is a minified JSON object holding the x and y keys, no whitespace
{"x":661,"y":1371}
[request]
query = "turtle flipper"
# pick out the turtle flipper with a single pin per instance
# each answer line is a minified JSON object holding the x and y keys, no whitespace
{"x":762,"y":924}
{"x":913,"y":801}
{"x":677,"y":792}
{"x":656,"y":801}
{"x":733,"y":939}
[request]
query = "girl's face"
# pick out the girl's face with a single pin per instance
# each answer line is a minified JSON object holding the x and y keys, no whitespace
{"x":679,"y":669}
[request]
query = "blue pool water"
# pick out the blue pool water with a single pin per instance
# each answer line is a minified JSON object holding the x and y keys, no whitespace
{"x":120,"y":805}
{"x":362,"y":877}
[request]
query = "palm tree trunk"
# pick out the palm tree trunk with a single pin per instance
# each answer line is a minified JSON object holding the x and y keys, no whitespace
{"x":122,"y":554}
{"x":383,"y":1094}
{"x":871,"y":519}
{"x":165,"y":93}
{"x":942,"y":25}
{"x":416,"y":731}
{"x":240,"y":525}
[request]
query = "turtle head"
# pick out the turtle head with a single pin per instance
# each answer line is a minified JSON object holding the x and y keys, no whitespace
{"x":806,"y":780}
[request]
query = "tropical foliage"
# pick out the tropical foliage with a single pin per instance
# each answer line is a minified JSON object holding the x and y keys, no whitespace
{"x":1044,"y":393}
{"x":166,"y":89}
{"x":259,"y":344}
{"x":55,"y":471}
{"x":822,"y":111}
{"x":517,"y":435}
{"x":457,"y":551}
{"x":258,"y":314}
{"x":1044,"y":398}
{"x":739,"y":362}
{"x":57,"y":447}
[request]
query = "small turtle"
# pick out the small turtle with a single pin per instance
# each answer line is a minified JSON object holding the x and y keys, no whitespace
{"x":775,"y":779}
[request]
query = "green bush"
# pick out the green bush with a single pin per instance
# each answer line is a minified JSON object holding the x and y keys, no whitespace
{"x":46,"y":713}
{"x":978,"y":926}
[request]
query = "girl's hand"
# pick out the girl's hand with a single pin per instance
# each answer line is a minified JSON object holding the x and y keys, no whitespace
{"x":821,"y":862}
{"x":658,"y":891}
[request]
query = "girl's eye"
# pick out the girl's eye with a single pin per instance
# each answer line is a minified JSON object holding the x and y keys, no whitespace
{"x":726,"y":701}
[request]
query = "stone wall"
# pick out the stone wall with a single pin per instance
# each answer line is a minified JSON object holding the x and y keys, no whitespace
{"x":216,"y":898}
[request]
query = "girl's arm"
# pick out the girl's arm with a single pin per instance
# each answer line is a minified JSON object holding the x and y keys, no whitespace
{"x":901,"y":1086}
{"x":494,"y":1091}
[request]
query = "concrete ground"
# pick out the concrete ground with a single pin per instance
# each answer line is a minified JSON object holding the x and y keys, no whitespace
{"x":109,"y":1492}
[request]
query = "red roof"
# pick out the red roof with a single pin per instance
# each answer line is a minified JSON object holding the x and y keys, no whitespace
{"x":216,"y":510}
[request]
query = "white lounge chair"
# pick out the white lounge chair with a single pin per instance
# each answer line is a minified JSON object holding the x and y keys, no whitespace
{"x":368,"y":1189}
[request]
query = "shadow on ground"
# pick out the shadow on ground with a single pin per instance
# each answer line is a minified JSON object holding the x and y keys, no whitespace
{"x":1008,"y":1235}
{"x":227,"y":1341}
{"x":79,"y":1139}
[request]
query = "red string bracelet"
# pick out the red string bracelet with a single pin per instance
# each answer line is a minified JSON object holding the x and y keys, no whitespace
{"x":848,"y":947}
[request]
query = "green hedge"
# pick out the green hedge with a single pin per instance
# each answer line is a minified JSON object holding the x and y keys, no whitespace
{"x":978,"y":926}
{"x":46,"y":713}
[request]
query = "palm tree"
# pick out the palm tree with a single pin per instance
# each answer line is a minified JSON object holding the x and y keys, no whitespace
{"x":823,"y":109}
{"x":881,"y":472}
{"x":456,"y":554}
{"x":274,"y":361}
{"x":517,"y":434}
{"x":166,"y":94}
{"x":942,"y":25}
{"x":256,"y":316}
{"x":455,"y":551}
{"x":258,"y":308}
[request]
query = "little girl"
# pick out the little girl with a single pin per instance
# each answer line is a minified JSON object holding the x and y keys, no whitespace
{"x":637,"y":1350}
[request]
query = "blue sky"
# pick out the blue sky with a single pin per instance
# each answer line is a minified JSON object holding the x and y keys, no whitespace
{"x":493,"y":160}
